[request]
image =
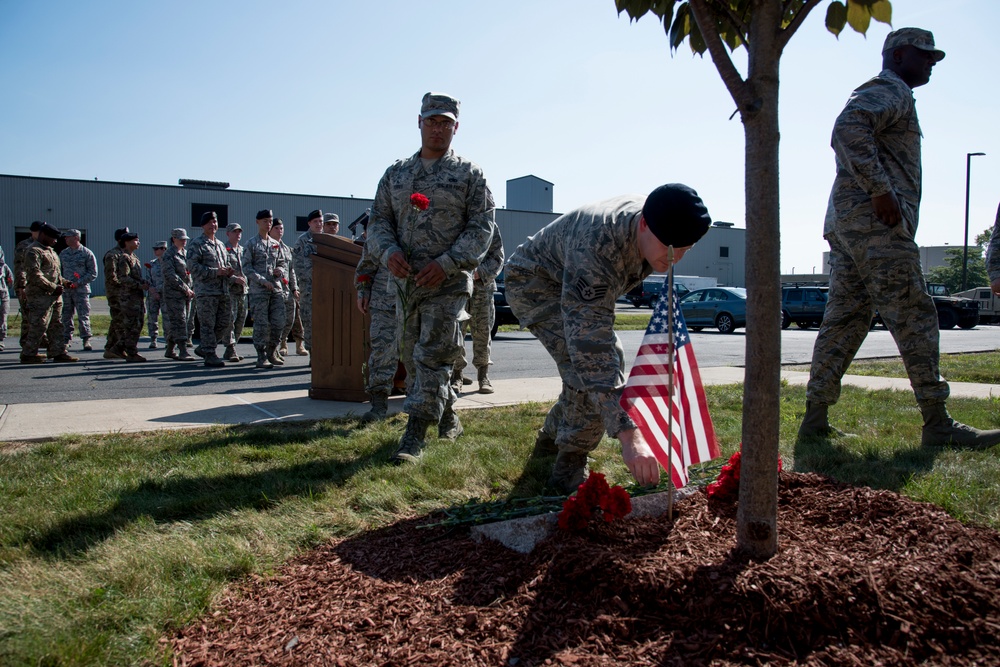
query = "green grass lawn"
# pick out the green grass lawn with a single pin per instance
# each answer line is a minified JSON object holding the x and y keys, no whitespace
{"x":983,"y":367}
{"x":108,"y":542}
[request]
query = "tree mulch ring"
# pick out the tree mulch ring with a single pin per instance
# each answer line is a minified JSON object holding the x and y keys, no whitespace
{"x":861,"y":577}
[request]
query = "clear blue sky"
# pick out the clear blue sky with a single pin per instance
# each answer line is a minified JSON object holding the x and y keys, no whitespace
{"x":320,"y":97}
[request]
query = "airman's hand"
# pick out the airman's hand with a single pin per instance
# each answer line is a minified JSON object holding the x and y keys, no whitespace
{"x":397,"y":265}
{"x":886,"y":208}
{"x":363,"y":300}
{"x":431,"y":275}
{"x":638,"y":458}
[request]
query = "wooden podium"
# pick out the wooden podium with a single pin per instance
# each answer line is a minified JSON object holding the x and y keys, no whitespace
{"x":339,"y":329}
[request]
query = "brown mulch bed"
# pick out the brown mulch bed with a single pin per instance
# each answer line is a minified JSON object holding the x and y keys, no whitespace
{"x":862,"y":577}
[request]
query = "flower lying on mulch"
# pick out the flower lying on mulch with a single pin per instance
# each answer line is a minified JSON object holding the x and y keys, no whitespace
{"x":594,"y":499}
{"x":727,"y":487}
{"x":861,"y":577}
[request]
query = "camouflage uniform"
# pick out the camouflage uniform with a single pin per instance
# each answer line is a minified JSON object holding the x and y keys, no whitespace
{"x":261,"y":257}
{"x":375,"y":283}
{"x":302,"y":262}
{"x":176,"y":304}
{"x":112,"y":292}
{"x":455,"y":231}
{"x":79,"y":267}
{"x":482,"y":310}
{"x":154,"y":276}
{"x":288,"y":288}
{"x":20,"y":282}
{"x":6,"y":281}
{"x":876,"y":139}
{"x":237,"y":295}
{"x":204,"y":258}
{"x":562,"y":284}
{"x":42,"y":275}
{"x":993,"y":252}
{"x":127,"y":282}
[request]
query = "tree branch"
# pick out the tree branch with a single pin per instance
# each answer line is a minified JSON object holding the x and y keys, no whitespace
{"x":735,"y":21}
{"x":786,"y":34}
{"x":731,"y":77}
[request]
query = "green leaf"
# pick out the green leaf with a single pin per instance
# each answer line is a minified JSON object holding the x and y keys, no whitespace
{"x":664,"y":9}
{"x":882,"y":11}
{"x":636,"y":9}
{"x":696,"y":40}
{"x":681,"y":27}
{"x":858,"y":16}
{"x":836,"y":17}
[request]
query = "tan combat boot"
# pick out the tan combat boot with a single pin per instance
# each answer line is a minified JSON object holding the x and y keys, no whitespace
{"x":941,"y":430}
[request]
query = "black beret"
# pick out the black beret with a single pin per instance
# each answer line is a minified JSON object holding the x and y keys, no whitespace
{"x":315,"y":214}
{"x":48,"y":230}
{"x":676,"y":215}
{"x":120,"y":232}
{"x":277,"y":223}
{"x":208,"y":216}
{"x":266,"y":213}
{"x":36,"y":225}
{"x":128,"y":236}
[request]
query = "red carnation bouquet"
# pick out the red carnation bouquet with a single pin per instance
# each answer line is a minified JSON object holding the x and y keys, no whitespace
{"x":727,"y":487}
{"x":419,"y":202}
{"x":594,"y":499}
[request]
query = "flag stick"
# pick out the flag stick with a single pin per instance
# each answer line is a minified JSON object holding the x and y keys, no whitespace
{"x":671,"y":381}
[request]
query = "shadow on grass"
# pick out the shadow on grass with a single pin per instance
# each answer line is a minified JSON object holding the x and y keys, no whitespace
{"x":200,"y":498}
{"x":849,"y":460}
{"x":275,"y":434}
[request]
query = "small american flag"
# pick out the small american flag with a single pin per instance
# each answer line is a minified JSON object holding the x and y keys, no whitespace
{"x":656,"y":409}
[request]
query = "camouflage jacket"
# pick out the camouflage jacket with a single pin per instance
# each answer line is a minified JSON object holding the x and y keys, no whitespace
{"x":290,"y":282}
{"x":993,"y":253}
{"x":109,"y":268}
{"x":126,"y":276}
{"x":582,"y":262}
{"x":260,"y":257}
{"x":876,"y":140}
{"x":176,"y":276}
{"x":235,"y":254}
{"x":42,"y":271}
{"x":205,"y":257}
{"x":489,"y":268}
{"x":373,"y":281}
{"x":302,"y":261}
{"x":454,"y":230}
{"x":79,"y":267}
{"x":19,"y":251}
{"x":154,"y":273}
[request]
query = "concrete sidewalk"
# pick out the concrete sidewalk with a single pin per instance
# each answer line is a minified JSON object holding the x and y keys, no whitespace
{"x":43,"y":421}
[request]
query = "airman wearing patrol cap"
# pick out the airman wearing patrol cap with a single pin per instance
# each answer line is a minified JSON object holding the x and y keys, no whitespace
{"x":79,"y":267}
{"x":177,"y":297}
{"x":302,"y":263}
{"x":154,"y":297}
{"x":237,"y":290}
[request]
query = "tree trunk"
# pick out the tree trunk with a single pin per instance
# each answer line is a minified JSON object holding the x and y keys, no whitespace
{"x":757,"y":531}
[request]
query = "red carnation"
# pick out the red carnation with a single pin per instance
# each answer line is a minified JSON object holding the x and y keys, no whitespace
{"x":365,"y":278}
{"x":77,"y":275}
{"x":616,"y":504}
{"x":419,"y":202}
{"x":575,"y":515}
{"x":284,"y":281}
{"x":147,"y":265}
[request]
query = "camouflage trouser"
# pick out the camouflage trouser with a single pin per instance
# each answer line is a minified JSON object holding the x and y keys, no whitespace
{"x":216,"y":319}
{"x":4,"y":310}
{"x":575,"y":421}
{"x":44,"y":311}
{"x":176,"y":312}
{"x":291,"y":316}
{"x":384,"y":356}
{"x":238,"y":307}
{"x":131,"y":309}
{"x":78,"y":302}
{"x":876,"y":267}
{"x":430,"y":330}
{"x":268,"y":310}
{"x":153,"y":307}
{"x":306,"y":314}
{"x":115,"y":327}
{"x":482,"y":314}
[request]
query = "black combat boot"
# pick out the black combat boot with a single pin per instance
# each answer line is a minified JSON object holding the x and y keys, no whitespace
{"x":816,"y":424}
{"x":380,"y":406}
{"x":411,"y":445}
{"x":941,"y":430}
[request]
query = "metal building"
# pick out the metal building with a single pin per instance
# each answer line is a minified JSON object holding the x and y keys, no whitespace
{"x":720,"y":254}
{"x":530,"y":193}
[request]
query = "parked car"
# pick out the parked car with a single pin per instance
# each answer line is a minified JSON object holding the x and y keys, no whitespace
{"x":504,"y":315}
{"x":647,"y":292}
{"x":724,"y":308}
{"x":803,"y":305}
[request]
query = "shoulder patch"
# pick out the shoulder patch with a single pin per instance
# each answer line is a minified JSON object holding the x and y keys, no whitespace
{"x":590,"y":292}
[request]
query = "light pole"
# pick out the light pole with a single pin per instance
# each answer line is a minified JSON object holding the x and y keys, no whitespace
{"x":965,"y":255}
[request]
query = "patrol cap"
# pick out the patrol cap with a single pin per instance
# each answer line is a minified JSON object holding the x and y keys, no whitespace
{"x":314,"y":214}
{"x":179,"y":233}
{"x":266,"y":213}
{"x":207,"y":217}
{"x":676,"y":215}
{"x":72,"y":232}
{"x":922,"y":39}
{"x":330,"y":218}
{"x":119,"y":232}
{"x":439,"y":104}
{"x":160,"y":245}
{"x":233,"y":227}
{"x":36,"y":225}
{"x":48,"y":230}
{"x":128,"y":236}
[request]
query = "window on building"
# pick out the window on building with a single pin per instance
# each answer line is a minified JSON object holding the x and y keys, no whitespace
{"x":221,"y":210}
{"x":724,"y":251}
{"x":301,"y":223}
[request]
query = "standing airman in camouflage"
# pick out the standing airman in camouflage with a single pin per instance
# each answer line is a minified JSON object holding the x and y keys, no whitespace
{"x":265,"y":273}
{"x":288,"y":286}
{"x":177,"y":296}
{"x":129,"y":284}
{"x":154,"y":298}
{"x":431,"y":223}
{"x":562,"y":284}
{"x":302,"y":262}
{"x":79,"y":267}
{"x":111,"y":291}
{"x":208,"y":262}
{"x":377,"y":298}
{"x":993,"y":256}
{"x":19,"y":278}
{"x":482,"y":314}
{"x":6,"y":282}
{"x":870,"y":225}
{"x":43,"y":290}
{"x":237,"y":290}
